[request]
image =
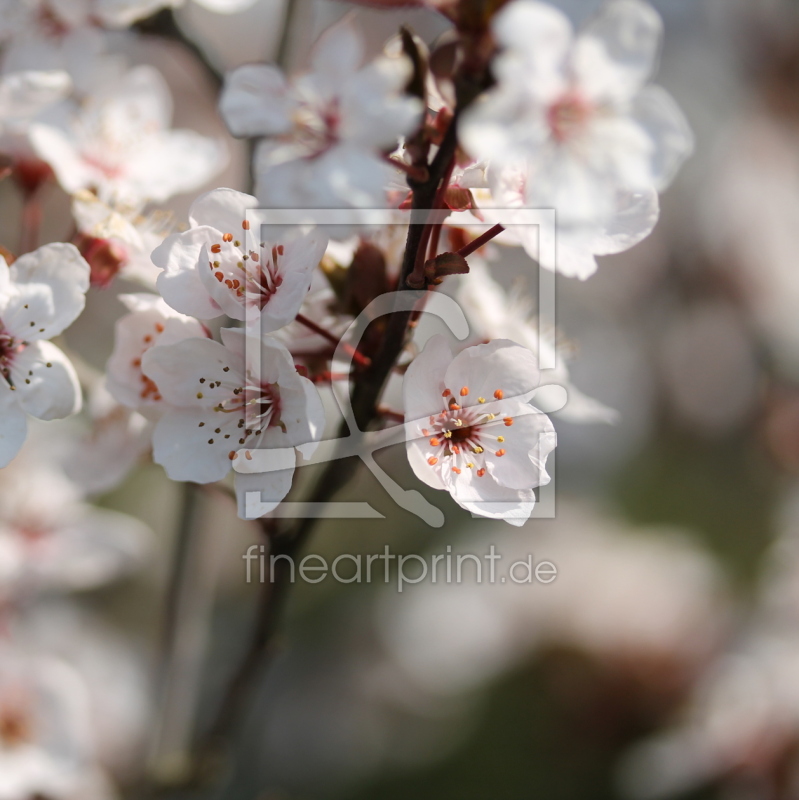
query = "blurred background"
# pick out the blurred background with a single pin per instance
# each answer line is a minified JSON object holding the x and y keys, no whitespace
{"x":664,"y":660}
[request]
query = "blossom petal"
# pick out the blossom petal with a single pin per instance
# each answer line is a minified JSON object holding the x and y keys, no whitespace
{"x":13,"y":425}
{"x":193,"y":372}
{"x":48,"y":292}
{"x":617,"y":53}
{"x":486,"y":498}
{"x":45,"y":382}
{"x":336,"y":55}
{"x":180,"y":283}
{"x":635,"y":218}
{"x":658,"y":114}
{"x":529,"y":440}
{"x":256,"y":101}
{"x":271,"y":487}
{"x":222,"y":210}
{"x":424,"y":380}
{"x":499,"y":369}
{"x":186,"y":445}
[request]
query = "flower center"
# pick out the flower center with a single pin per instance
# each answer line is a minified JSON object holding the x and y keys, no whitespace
{"x":16,"y":727}
{"x":9,"y":347}
{"x":316,"y":128}
{"x":254,"y":277}
{"x":463,"y":438}
{"x":568,"y":115}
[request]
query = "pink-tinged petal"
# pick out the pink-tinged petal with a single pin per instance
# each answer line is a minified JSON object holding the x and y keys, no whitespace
{"x":493,"y":371}
{"x":618,"y":51}
{"x":187,"y":446}
{"x":528,"y":442}
{"x":222,"y":209}
{"x":194,"y":372}
{"x":266,"y":489}
{"x":424,"y":381}
{"x":257,"y":101}
{"x":47,"y":292}
{"x":45,"y":382}
{"x":656,"y":112}
{"x":180,"y":283}
{"x":13,"y":425}
{"x":486,"y":498}
{"x":151,"y":323}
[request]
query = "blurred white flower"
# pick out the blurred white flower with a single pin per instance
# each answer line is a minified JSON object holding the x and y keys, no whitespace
{"x":208,"y":271}
{"x":325,"y":129}
{"x":221,"y":398}
{"x":25,"y":94}
{"x":496,"y":314}
{"x":578,"y":113}
{"x":116,"y":440}
{"x":150,"y":323}
{"x":471,"y":430}
{"x":118,"y":239}
{"x":61,"y":543}
{"x":119,"y":144}
{"x":41,"y":294}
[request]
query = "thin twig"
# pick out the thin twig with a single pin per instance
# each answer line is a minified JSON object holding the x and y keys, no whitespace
{"x":481,"y":240}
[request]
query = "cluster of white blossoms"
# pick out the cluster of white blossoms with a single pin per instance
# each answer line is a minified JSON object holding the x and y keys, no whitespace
{"x":549,"y":119}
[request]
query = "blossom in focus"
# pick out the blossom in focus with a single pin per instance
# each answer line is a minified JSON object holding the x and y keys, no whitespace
{"x":119,"y":143}
{"x":325,"y":130}
{"x":208,"y":270}
{"x":578,"y":111}
{"x":498,"y":315}
{"x":471,"y":429}
{"x":41,"y":294}
{"x":222,"y":398}
{"x":150,"y":323}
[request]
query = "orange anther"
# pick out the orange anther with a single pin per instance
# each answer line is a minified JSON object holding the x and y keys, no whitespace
{"x":446,"y":393}
{"x":481,"y":472}
{"x":435,"y":442}
{"x":508,"y":421}
{"x":456,"y":470}
{"x":227,"y":237}
{"x":499,"y":394}
{"x":500,"y":453}
{"x":216,"y":248}
{"x":432,"y":461}
{"x":245,"y":224}
{"x":464,"y":391}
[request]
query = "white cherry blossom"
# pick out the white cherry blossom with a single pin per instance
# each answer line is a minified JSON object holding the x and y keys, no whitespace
{"x":208,"y":271}
{"x":221,"y":400}
{"x":326,"y":129}
{"x":119,"y":143}
{"x":579,"y":111}
{"x":150,"y":323}
{"x":41,"y":294}
{"x":471,"y":430}
{"x":25,"y":94}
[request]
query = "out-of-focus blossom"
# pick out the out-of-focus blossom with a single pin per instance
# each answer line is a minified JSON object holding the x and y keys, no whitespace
{"x":118,"y":240}
{"x":120,"y":144}
{"x":41,"y":294}
{"x":25,"y":94}
{"x":208,"y":270}
{"x":150,"y":323}
{"x":45,"y":734}
{"x":117,"y":439}
{"x":496,"y":314}
{"x":63,"y":543}
{"x":631,"y":219}
{"x":578,"y":113}
{"x":222,"y":398}
{"x":471,"y":428}
{"x":326,"y":129}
